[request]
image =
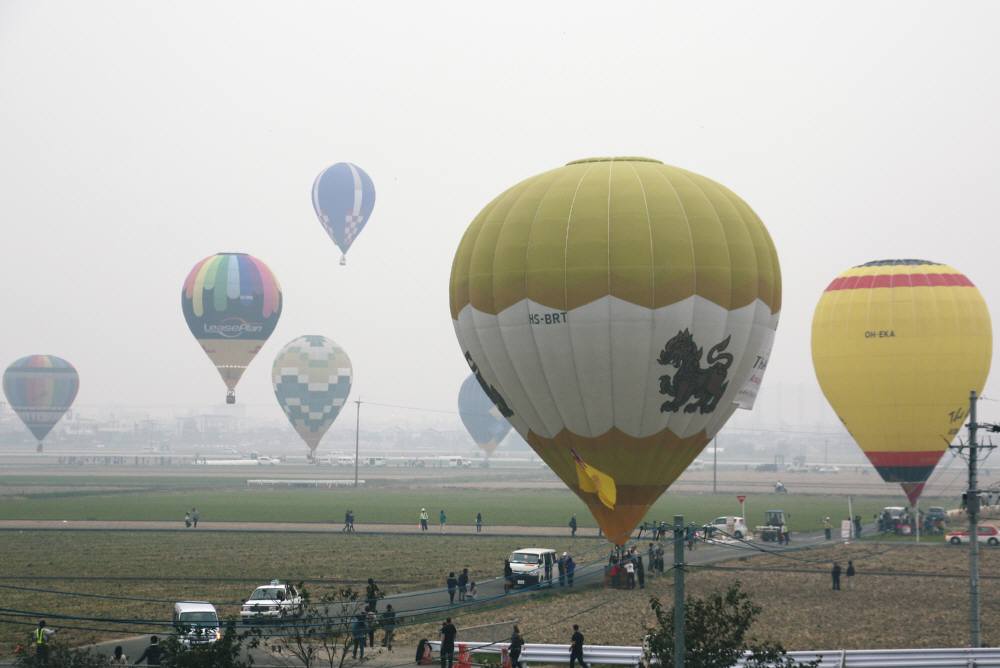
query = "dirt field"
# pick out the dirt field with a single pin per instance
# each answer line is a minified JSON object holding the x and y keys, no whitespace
{"x":885,"y":610}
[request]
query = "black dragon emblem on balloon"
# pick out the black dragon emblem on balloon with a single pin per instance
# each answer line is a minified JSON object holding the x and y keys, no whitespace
{"x":692,"y":387}
{"x":490,"y":391}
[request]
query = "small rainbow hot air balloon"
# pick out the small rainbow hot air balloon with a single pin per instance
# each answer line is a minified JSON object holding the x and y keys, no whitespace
{"x":897,"y":345}
{"x":312,"y":380}
{"x":231,"y":302}
{"x":617,"y":311}
{"x":343,"y":196}
{"x":40,"y":389}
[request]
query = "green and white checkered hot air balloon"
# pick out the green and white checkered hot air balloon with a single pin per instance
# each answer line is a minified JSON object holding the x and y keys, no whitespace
{"x":312,"y":380}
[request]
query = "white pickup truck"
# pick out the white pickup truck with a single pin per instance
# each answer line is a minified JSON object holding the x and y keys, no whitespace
{"x":271,"y":602}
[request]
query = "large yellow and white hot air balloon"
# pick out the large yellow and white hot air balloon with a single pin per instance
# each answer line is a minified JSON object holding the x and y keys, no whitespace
{"x":617,"y":311}
{"x":897,"y":345}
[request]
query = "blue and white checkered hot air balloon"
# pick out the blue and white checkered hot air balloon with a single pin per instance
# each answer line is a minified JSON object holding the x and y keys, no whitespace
{"x":312,"y":379}
{"x":343,"y":196}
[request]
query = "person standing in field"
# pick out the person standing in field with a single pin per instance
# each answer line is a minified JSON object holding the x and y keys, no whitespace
{"x":389,"y":626}
{"x":371,"y":621}
{"x":153,"y":654}
{"x":452,"y":583}
{"x":516,"y":643}
{"x":479,"y":522}
{"x":640,"y":571}
{"x":570,"y":569}
{"x":358,"y":631}
{"x":576,"y":648}
{"x":463,"y":583}
{"x":195,"y":516}
{"x":629,"y":573}
{"x":442,"y":518}
{"x":850,"y":573}
{"x":372,"y":594}
{"x":448,"y":634}
{"x":119,"y":658}
{"x":827,"y":528}
{"x":187,"y":520}
{"x":561,"y":569}
{"x":508,"y":576}
{"x":835,"y":573}
{"x":42,"y":635}
{"x":572,"y":526}
{"x":423,"y":519}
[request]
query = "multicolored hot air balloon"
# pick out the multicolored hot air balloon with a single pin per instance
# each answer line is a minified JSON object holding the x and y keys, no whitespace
{"x":481,"y":418}
{"x":343,"y":196}
{"x":897,"y":345}
{"x":40,"y":389}
{"x":312,"y":380}
{"x":231,"y":302}
{"x":617,"y":311}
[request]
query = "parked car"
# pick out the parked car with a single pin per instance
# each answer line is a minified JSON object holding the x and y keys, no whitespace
{"x":271,"y":602}
{"x":987,"y":533}
{"x":530,"y":564}
{"x":734,"y":527}
{"x":196,"y":623}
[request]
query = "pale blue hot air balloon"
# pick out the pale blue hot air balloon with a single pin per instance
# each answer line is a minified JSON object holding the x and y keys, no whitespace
{"x":481,"y":418}
{"x":343,"y":196}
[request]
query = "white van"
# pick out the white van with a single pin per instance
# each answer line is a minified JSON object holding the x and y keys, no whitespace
{"x":196,"y":623}
{"x":532,"y":566}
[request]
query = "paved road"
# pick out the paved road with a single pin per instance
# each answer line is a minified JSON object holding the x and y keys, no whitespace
{"x":287,"y":527}
{"x":434,"y":604}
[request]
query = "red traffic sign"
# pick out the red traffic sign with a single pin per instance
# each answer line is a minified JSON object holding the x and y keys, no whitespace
{"x":741,"y":498}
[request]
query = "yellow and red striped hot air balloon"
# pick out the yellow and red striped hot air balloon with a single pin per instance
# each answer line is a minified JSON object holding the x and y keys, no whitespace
{"x":617,"y":311}
{"x":897,"y":345}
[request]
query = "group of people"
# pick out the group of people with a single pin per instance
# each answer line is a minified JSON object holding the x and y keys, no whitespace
{"x":191,"y":518}
{"x":461,"y":585}
{"x":626,"y":569}
{"x":367,"y":620}
{"x":442,"y":520}
{"x":348,"y":521}
{"x":836,"y":571}
{"x":449,"y":633}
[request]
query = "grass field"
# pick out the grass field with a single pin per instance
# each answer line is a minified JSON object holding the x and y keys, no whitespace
{"x":886,"y":610}
{"x":900,"y":599}
{"x":94,"y":498}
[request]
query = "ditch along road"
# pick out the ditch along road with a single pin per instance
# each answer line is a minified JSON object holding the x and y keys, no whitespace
{"x":433,"y":605}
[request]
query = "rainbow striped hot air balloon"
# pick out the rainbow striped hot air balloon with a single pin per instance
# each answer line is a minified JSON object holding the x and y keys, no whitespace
{"x":617,"y":311}
{"x":231,"y":302}
{"x":40,"y":389}
{"x":897,"y":345}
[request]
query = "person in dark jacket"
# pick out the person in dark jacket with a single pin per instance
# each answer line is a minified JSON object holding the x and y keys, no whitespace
{"x":153,"y":654}
{"x":479,"y":522}
{"x":640,"y":571}
{"x":452,"y":583}
{"x":576,"y":648}
{"x":388,"y":621}
{"x":516,"y":643}
{"x":508,"y":576}
{"x":359,"y":631}
{"x":570,"y":569}
{"x":572,"y":526}
{"x":448,"y":633}
{"x":561,"y":569}
{"x":372,"y":594}
{"x":850,"y":573}
{"x":463,"y":583}
{"x":836,"y":576}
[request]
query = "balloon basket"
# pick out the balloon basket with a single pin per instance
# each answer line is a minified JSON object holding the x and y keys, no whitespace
{"x":343,"y":260}
{"x":231,"y":397}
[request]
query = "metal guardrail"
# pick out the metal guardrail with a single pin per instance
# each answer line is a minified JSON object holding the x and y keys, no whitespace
{"x":986,"y":657}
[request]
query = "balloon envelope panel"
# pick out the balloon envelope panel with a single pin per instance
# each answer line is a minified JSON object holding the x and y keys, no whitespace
{"x":480,"y":416}
{"x":231,"y":302}
{"x":312,"y":380}
{"x":618,"y":308}
{"x":40,"y":389}
{"x":343,"y":196}
{"x":897,"y":345}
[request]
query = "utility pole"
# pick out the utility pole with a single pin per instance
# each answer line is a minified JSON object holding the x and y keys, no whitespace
{"x":357,"y":440}
{"x":678,"y":591}
{"x":715,"y":463}
{"x":972,"y":506}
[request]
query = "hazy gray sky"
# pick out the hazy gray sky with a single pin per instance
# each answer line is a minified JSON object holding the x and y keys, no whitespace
{"x":137,"y":138}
